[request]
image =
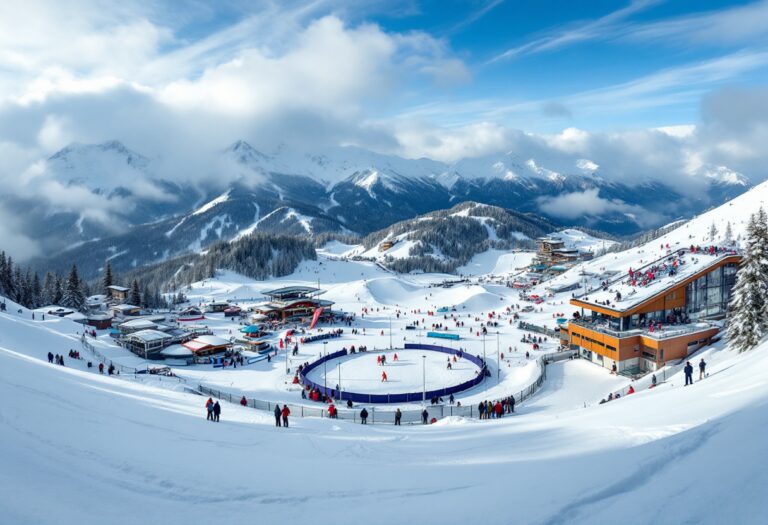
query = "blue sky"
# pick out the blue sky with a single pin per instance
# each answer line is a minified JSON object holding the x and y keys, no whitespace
{"x":553,"y":51}
{"x":645,"y":89}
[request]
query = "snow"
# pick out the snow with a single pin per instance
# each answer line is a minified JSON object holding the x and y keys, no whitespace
{"x":78,"y":446}
{"x":360,"y":373}
{"x":224,"y":197}
{"x":584,"y":242}
{"x":496,"y":262}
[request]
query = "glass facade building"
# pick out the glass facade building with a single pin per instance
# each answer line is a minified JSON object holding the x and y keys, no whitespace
{"x":709,"y":295}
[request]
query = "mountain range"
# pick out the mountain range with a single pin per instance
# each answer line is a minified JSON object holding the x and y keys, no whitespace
{"x":145,"y":216}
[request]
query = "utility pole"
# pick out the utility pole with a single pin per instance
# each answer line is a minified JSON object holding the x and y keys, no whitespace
{"x":325,"y":367}
{"x":498,"y":358}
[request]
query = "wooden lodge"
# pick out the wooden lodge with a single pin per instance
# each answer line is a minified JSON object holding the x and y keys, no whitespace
{"x":118,"y":293}
{"x":207,"y":345}
{"x":292,"y":303}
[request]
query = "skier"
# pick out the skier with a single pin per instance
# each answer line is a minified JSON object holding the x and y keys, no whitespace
{"x":394,"y":358}
{"x":383,"y":377}
{"x":702,"y":369}
{"x":653,"y":380}
{"x":244,"y":402}
{"x":209,"y":409}
{"x":278,"y":413}
{"x":398,"y":417}
{"x":424,"y":416}
{"x":285,"y":413}
{"x":101,"y":368}
{"x":216,"y":411}
{"x":688,"y":373}
{"x":364,"y":416}
{"x":50,"y":357}
{"x":631,"y":390}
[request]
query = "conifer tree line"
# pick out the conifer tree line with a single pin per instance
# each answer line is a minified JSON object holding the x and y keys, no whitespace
{"x":23,"y":286}
{"x":748,"y":308}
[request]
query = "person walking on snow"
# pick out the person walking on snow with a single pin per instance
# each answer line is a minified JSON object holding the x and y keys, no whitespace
{"x":244,"y":402}
{"x":702,"y":368}
{"x":688,"y":373}
{"x":364,"y":416}
{"x":398,"y":417}
{"x":101,"y":368}
{"x":424,"y":416}
{"x":285,"y":413}
{"x":216,"y":411}
{"x":50,"y":357}
{"x":209,"y":408}
{"x":278,"y":413}
{"x":383,"y":377}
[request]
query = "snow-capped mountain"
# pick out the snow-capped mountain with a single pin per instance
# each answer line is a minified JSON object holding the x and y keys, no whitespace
{"x":144,"y":217}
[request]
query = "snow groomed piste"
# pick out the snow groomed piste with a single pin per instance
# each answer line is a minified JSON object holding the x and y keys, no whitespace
{"x":407,"y":397}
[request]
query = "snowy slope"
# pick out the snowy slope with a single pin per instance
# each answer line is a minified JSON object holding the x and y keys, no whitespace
{"x":68,"y":432}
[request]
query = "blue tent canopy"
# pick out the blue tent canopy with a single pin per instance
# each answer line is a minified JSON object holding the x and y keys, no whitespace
{"x":251,"y":329}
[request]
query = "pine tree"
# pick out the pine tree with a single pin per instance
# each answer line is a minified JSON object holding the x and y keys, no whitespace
{"x":748,"y":310}
{"x":712,"y":232}
{"x":108,"y":279}
{"x":58,"y":291}
{"x":73,"y":292}
{"x":135,"y":297}
{"x":37,"y":291}
{"x":728,"y":233}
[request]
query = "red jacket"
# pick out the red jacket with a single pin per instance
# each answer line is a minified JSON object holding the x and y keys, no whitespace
{"x":286,"y":412}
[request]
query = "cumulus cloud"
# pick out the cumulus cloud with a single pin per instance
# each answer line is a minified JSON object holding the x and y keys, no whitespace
{"x":588,"y":203}
{"x":306,"y":75}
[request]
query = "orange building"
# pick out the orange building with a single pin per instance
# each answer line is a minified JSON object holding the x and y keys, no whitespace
{"x":677,"y":318}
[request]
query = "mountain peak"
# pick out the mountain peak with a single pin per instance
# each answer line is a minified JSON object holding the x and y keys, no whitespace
{"x":244,"y":153}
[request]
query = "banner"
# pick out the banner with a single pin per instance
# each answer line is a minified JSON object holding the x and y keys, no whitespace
{"x":315,"y":317}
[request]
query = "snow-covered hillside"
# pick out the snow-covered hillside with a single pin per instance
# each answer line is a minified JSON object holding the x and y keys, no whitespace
{"x":698,"y":453}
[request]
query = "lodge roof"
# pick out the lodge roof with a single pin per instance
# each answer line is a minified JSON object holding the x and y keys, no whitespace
{"x":690,"y":266}
{"x":292,"y":290}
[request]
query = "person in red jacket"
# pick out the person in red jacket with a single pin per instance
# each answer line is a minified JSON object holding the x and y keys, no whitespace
{"x":244,"y":401}
{"x":631,"y":390}
{"x":332,"y":411}
{"x":498,"y":409}
{"x":383,"y":376}
{"x":285,"y":413}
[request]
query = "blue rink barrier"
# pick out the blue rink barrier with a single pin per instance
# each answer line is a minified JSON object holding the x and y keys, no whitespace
{"x":359,"y":397}
{"x":443,"y":335}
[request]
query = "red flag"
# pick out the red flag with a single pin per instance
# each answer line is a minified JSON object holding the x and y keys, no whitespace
{"x":315,"y":318}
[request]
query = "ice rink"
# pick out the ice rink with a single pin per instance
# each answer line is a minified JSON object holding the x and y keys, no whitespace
{"x":360,"y":372}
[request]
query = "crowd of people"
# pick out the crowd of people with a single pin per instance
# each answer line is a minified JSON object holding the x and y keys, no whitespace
{"x":497,"y":409}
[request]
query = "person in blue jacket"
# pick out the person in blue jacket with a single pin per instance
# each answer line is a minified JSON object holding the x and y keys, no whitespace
{"x":688,"y":373}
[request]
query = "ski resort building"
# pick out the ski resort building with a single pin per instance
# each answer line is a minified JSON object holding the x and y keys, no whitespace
{"x":658,"y":313}
{"x":207,"y":345}
{"x":553,"y":254}
{"x":293,"y":303}
{"x":118,"y":293}
{"x":147,"y":343}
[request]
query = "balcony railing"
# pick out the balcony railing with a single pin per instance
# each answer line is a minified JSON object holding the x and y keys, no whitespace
{"x":665,"y":333}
